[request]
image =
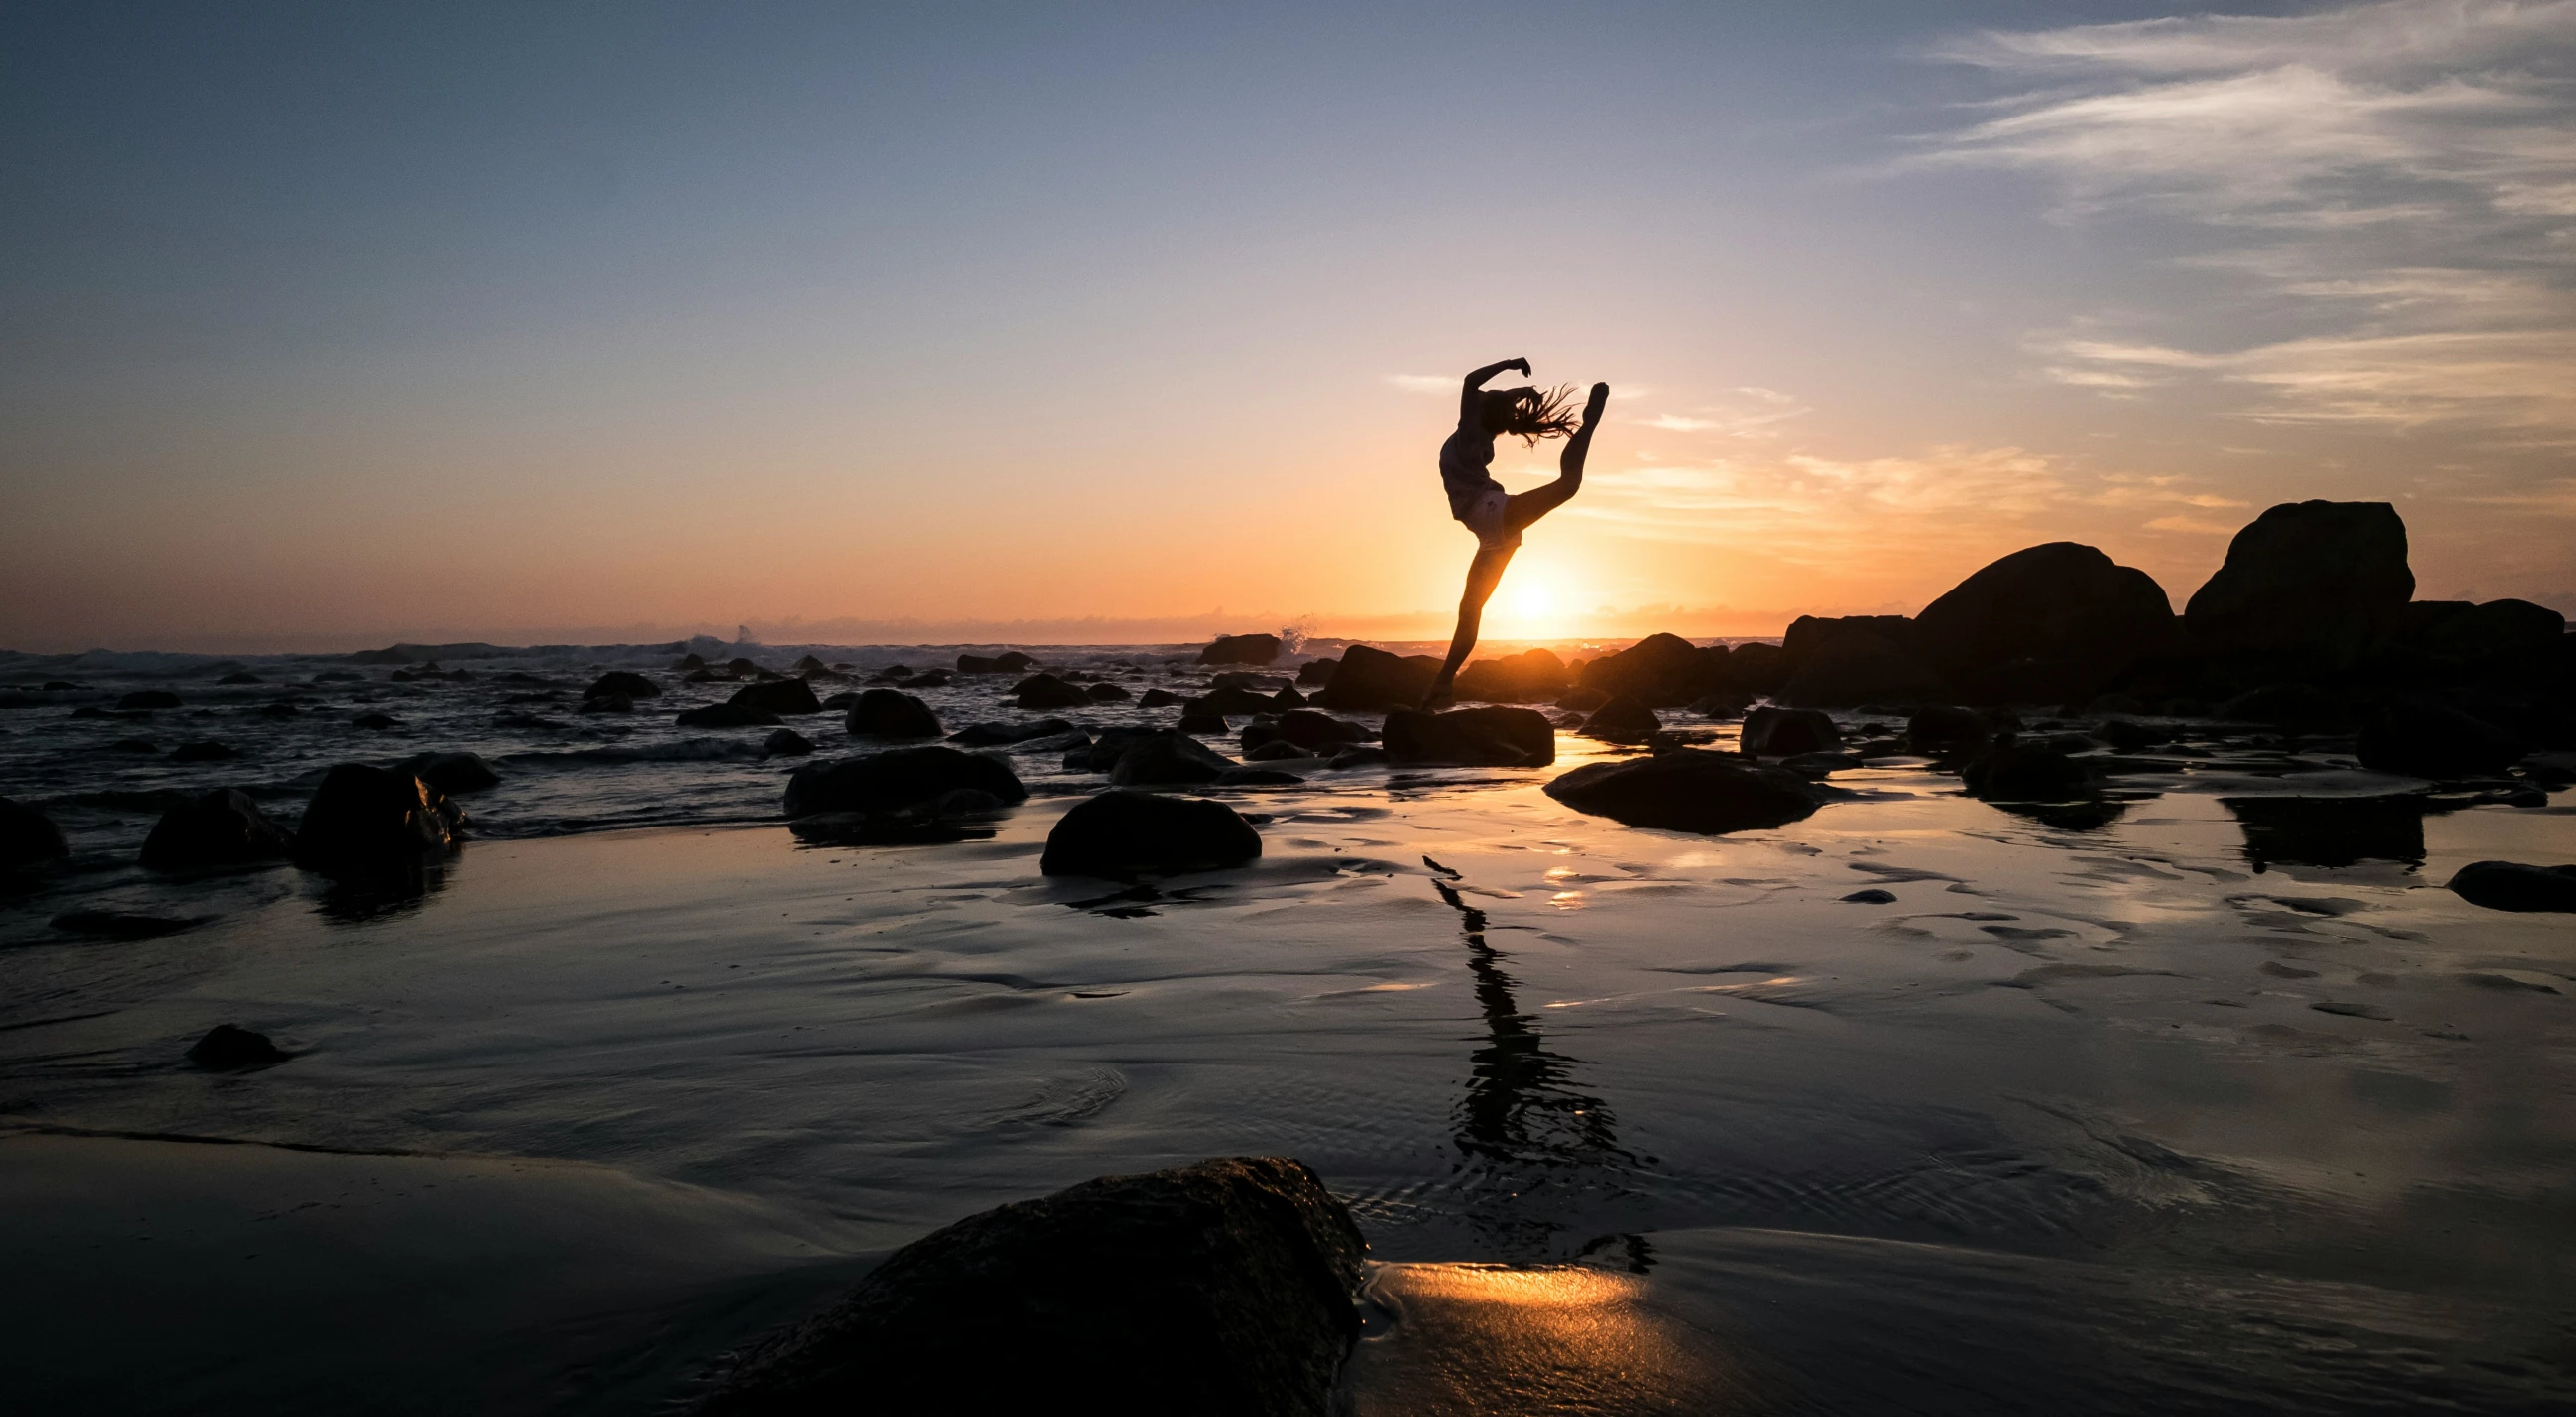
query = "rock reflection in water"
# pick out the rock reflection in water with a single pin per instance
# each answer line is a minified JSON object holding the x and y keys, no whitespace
{"x":1522,"y":1121}
{"x":2330,"y":831}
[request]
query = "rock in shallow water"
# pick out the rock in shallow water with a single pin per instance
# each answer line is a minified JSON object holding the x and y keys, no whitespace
{"x":1474,"y":737}
{"x":1168,"y":758}
{"x":220,"y":828}
{"x":1622,"y":720}
{"x":226,"y":1047}
{"x":619,"y":681}
{"x":726,"y":716}
{"x":777,"y":696}
{"x":894,"y":781}
{"x":785,"y":743}
{"x":1219,"y":1288}
{"x":1692,"y":790}
{"x":892,"y":713}
{"x":366,"y":821}
{"x":2425,"y":739}
{"x":28,"y":836}
{"x":1039,"y":692}
{"x":2511,"y":885}
{"x":1370,"y":678}
{"x":1120,"y":835}
{"x":1785,"y":732}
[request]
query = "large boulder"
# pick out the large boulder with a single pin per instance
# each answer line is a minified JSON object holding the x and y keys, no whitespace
{"x":2455,"y":639}
{"x":368,"y":821}
{"x":892,"y":713}
{"x":1315,"y":673}
{"x":2426,"y":739}
{"x":1219,"y":1288}
{"x":1320,"y":731}
{"x":1121,"y":835}
{"x":1857,"y":667}
{"x":1787,"y":732}
{"x":2045,"y":624}
{"x":219,"y":828}
{"x":1659,"y":671}
{"x":777,"y":696}
{"x":1369,"y":678}
{"x":1622,"y":720}
{"x":897,"y":780}
{"x":1228,"y":700}
{"x":1040,"y":692}
{"x":2306,"y":587}
{"x":2510,"y":885}
{"x":28,"y":836}
{"x":1533,"y":676}
{"x":1169,"y":758}
{"x":1689,"y":789}
{"x":451,"y":773}
{"x":1241,"y":649}
{"x":1471,"y":737}
{"x":619,"y":681}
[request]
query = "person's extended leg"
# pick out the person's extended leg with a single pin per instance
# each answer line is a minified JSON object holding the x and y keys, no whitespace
{"x":1527,"y":507}
{"x":1483,"y":574}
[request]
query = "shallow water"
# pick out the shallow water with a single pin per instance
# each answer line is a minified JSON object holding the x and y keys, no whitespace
{"x":2208,"y":1107}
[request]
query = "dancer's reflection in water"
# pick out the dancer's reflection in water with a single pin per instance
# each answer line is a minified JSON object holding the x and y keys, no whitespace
{"x":1541,"y":1144}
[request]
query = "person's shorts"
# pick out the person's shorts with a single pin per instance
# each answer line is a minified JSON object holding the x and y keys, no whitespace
{"x":1487,"y":517}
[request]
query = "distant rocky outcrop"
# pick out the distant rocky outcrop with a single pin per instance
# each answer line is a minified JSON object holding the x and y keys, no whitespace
{"x":1122,"y":834}
{"x":369,"y":821}
{"x":1007,"y":662}
{"x":1471,"y":737}
{"x":1223,"y":1287}
{"x":892,"y":713}
{"x":215,"y":829}
{"x":1689,"y":789}
{"x":2306,"y":588}
{"x":1369,"y":679}
{"x":1241,"y":649}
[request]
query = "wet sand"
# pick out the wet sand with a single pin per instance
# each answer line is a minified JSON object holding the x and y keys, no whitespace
{"x":2081,"y":1119}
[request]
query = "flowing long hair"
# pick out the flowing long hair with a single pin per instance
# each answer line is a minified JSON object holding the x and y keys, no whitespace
{"x":1532,"y":414}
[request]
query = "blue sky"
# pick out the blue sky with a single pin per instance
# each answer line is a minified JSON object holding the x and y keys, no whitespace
{"x":326,"y":325}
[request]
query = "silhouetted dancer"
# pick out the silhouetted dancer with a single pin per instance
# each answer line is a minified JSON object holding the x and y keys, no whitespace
{"x":1475,"y":498}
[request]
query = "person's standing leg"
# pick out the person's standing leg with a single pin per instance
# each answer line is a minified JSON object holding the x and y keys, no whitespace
{"x":1483,"y":574}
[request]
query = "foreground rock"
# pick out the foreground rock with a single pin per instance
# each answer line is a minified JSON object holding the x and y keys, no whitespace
{"x":902,"y":780}
{"x":1219,"y":1288}
{"x":2044,"y":625}
{"x":2305,"y":589}
{"x":1622,"y":720}
{"x":1307,"y":730}
{"x":2510,"y":885}
{"x":892,"y":713}
{"x":216,"y":829}
{"x":2029,"y":772}
{"x":1040,"y":692}
{"x":1786,"y":733}
{"x":777,"y":696}
{"x":226,"y":1047}
{"x":1121,"y":835}
{"x":1531,"y":677}
{"x":1167,"y":758}
{"x":367,"y":821}
{"x":2425,"y":739}
{"x":1241,"y":649}
{"x":1471,"y":737}
{"x":1942,"y":729}
{"x":28,"y":837}
{"x":1690,"y":789}
{"x":1368,"y":678}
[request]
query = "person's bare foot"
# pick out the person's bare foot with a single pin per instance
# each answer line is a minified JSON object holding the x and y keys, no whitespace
{"x":1592,"y":407}
{"x":1437,"y":697}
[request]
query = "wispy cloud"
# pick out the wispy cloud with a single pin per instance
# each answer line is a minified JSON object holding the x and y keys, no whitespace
{"x":2397,"y":180}
{"x":1424,"y":383}
{"x":1747,"y":412}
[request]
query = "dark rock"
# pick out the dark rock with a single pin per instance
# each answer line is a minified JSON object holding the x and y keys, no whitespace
{"x":365,"y":821}
{"x":2062,"y":614}
{"x":1622,"y":720}
{"x":739,"y":665}
{"x":219,"y":828}
{"x":934,"y":679}
{"x":1264,"y":684}
{"x":148,"y":699}
{"x":2029,"y":772}
{"x":1583,"y":700}
{"x":2510,"y":885}
{"x":1105,"y":692}
{"x":618,"y":681}
{"x":1045,"y":691}
{"x":2330,"y":831}
{"x":1939,"y":730}
{"x":1781,"y":732}
{"x":1363,"y":757}
{"x":1169,"y":758}
{"x":241,"y":677}
{"x":1724,"y":703}
{"x":727,"y":715}
{"x":841,"y":702}
{"x":2297,"y":708}
{"x":1241,"y":649}
{"x":1757,"y":667}
{"x":1274,"y":750}
{"x":1257,"y":777}
{"x":122,"y":925}
{"x":1317,"y":672}
{"x":204,"y":750}
{"x":1471,"y":737}
{"x":689,"y":662}
{"x":1103,"y":753}
{"x":1689,"y":789}
{"x":1531,"y":677}
{"x":2454,"y":639}
{"x":451,"y":773}
{"x":785,"y":743}
{"x":895,"y":780}
{"x":985,"y":735}
{"x":1659,"y":671}
{"x":1219,"y":1288}
{"x":777,"y":696}
{"x":1228,"y":702}
{"x":891,"y":713}
{"x":2130,"y":736}
{"x":1309,"y":729}
{"x":1007,"y":662}
{"x":612,"y":703}
{"x":377,"y":722}
{"x":1287,"y":698}
{"x":2306,"y":587}
{"x":2426,"y":739}
{"x":133,"y":745}
{"x":1857,"y":667}
{"x":1870,"y":897}
{"x":1368,"y":678}
{"x":1200,"y":721}
{"x":701,"y":676}
{"x":1158,"y":698}
{"x":225,"y":1048}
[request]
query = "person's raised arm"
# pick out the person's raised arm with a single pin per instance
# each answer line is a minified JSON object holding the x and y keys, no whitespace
{"x":1469,"y":396}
